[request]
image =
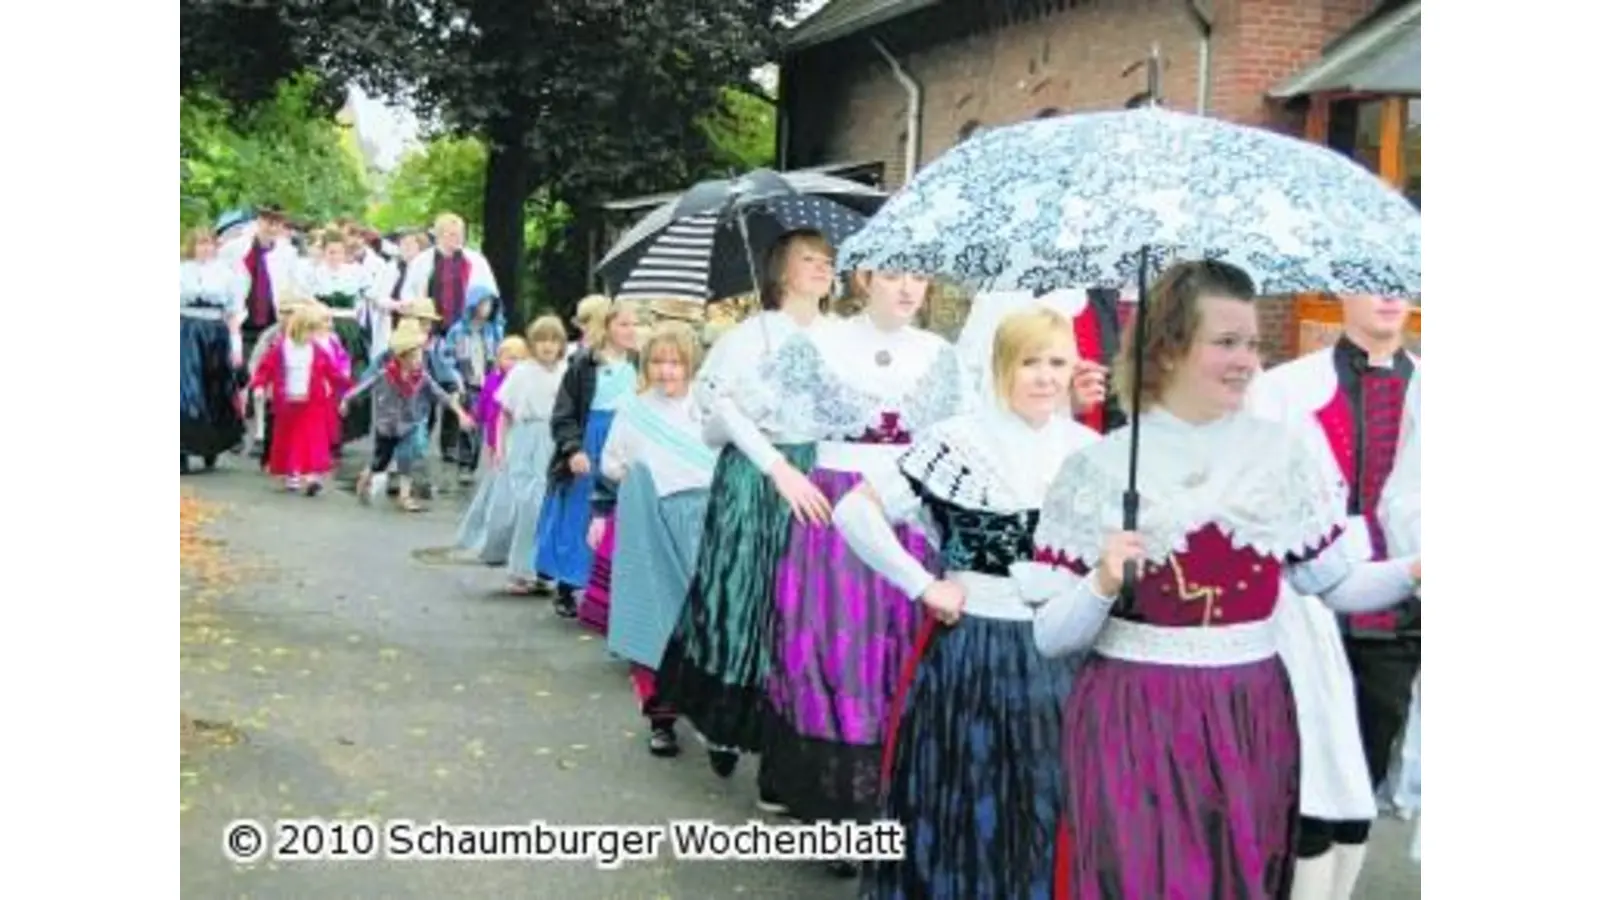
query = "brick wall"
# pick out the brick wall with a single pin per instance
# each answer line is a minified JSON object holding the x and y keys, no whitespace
{"x":845,"y":104}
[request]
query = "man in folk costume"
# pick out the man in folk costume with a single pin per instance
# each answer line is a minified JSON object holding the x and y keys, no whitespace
{"x":1097,"y":318}
{"x":1352,"y":675}
{"x":446,"y":273}
{"x":272,"y":264}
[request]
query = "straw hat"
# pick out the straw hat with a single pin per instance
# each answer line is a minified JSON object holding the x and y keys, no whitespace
{"x":407,"y":337}
{"x":590,"y":308}
{"x":421,"y":308}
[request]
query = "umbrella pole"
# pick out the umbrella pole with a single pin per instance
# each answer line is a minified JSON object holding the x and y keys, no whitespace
{"x":1130,"y":497}
{"x":749,"y":254}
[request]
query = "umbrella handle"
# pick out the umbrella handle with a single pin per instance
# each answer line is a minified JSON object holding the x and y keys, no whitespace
{"x":1130,"y":497}
{"x":1130,"y":569}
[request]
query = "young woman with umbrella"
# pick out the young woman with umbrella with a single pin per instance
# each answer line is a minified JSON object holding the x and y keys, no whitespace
{"x":716,"y":663}
{"x":1181,"y":746}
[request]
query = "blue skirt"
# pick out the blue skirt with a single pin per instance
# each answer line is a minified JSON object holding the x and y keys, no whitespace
{"x":528,"y":450}
{"x":208,"y":422}
{"x":564,"y":552}
{"x":658,"y":543}
{"x":975,"y":773}
{"x":486,"y":527}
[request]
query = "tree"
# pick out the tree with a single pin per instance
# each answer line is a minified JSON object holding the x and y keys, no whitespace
{"x":742,"y":130}
{"x":445,"y":174}
{"x":284,"y":150}
{"x":581,"y":99}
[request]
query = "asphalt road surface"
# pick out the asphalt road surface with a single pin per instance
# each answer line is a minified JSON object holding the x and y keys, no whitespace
{"x":338,"y":675}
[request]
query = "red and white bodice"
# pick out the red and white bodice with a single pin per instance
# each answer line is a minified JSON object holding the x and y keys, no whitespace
{"x":1224,"y":507}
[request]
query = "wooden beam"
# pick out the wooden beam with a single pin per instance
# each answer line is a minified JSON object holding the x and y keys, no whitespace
{"x":1317,"y":119}
{"x":1391,"y":141}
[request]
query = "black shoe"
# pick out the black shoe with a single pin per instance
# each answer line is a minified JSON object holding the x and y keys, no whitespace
{"x":210,"y":460}
{"x":723,"y":762}
{"x":313,"y":489}
{"x":663,"y":740}
{"x":566,"y":605}
{"x":844,"y":868}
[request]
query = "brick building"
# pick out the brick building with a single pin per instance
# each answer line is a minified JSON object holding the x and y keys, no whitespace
{"x":891,"y":84}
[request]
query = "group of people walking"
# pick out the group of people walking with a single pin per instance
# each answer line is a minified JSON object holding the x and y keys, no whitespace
{"x":896,"y":570}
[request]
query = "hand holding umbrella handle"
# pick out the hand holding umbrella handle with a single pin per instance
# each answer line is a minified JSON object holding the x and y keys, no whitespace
{"x":1130,"y":568}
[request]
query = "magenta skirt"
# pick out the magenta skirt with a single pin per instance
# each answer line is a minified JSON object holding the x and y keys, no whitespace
{"x":841,"y":635}
{"x":1181,"y":781}
{"x":594,"y":611}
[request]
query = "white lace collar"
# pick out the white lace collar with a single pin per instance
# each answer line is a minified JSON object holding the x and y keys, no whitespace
{"x":994,"y":460}
{"x":1252,"y":478}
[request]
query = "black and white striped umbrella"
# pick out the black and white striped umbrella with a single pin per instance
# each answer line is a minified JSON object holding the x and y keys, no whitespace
{"x":677,"y":264}
{"x":694,"y":248}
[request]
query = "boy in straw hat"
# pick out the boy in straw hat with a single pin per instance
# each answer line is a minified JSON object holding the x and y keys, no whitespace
{"x":401,"y":393}
{"x":413,"y":453}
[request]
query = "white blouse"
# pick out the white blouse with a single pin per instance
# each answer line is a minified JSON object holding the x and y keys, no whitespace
{"x":664,"y":433}
{"x":841,"y":383}
{"x":217,"y":282}
{"x":737,"y":357}
{"x":297,"y":360}
{"x":529,"y":391}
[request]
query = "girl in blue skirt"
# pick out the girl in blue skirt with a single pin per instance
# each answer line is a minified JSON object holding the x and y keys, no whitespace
{"x":598,"y":378}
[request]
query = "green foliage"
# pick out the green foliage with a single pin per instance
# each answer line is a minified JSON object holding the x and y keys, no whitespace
{"x":284,"y":151}
{"x":742,"y":130}
{"x":446,"y":175}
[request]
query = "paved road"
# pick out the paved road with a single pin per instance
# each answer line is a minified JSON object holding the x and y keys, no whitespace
{"x":364,"y":683}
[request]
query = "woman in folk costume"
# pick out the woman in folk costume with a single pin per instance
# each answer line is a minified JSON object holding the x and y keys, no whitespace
{"x":1401,"y":516}
{"x":485,"y":529}
{"x":344,"y":287}
{"x":527,"y":398}
{"x":211,"y":293}
{"x":1095,"y":326}
{"x":715,"y":667}
{"x":841,"y":634}
{"x":1181,"y":749}
{"x":1352,"y":675}
{"x":973,"y":761}
{"x":597,"y":379}
{"x":305,"y":381}
{"x":402,"y":391}
{"x":655,"y":472}
{"x":383,"y":279}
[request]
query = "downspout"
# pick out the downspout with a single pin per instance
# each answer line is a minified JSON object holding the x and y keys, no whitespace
{"x":1202,"y":23}
{"x":782,"y":104}
{"x":913,"y":109}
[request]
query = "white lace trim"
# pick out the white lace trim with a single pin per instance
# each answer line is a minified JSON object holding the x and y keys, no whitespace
{"x":1273,"y":499}
{"x":1227,"y":645}
{"x":950,"y":463}
{"x":797,"y":388}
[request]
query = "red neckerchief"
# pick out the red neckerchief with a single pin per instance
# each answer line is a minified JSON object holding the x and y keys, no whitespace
{"x":408,"y":383}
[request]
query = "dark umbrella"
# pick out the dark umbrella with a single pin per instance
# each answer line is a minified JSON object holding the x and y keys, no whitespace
{"x":703,"y":245}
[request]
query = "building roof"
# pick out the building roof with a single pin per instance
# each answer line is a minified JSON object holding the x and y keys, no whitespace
{"x":1382,"y":55}
{"x":842,"y":18}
